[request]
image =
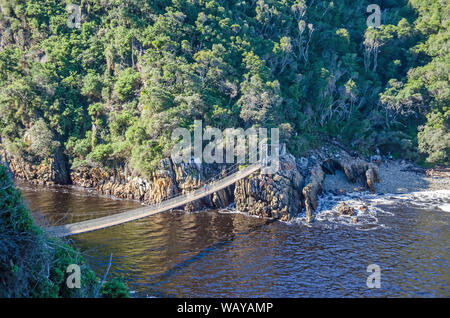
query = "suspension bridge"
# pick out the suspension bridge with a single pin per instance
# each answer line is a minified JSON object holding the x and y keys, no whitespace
{"x":179,"y":200}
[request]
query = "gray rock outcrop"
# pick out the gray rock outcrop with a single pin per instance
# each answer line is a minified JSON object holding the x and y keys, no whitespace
{"x":281,"y":195}
{"x":271,"y":195}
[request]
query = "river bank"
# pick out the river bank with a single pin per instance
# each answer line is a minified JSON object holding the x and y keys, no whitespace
{"x":396,"y":176}
{"x":34,"y":264}
{"x":294,"y":189}
{"x":158,"y":256}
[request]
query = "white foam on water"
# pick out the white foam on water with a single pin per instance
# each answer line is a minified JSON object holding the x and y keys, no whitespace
{"x":365,"y":213}
{"x":439,"y":199}
{"x":327,"y":210}
{"x":366,"y":219}
{"x":230,"y":210}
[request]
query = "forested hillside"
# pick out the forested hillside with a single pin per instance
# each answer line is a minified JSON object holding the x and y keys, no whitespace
{"x":110,"y":92}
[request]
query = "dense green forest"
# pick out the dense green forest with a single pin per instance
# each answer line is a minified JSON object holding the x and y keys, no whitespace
{"x":110,"y":92}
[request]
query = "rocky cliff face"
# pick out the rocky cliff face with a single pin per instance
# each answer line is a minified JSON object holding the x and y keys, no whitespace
{"x":298,"y":183}
{"x":277,"y":195}
{"x":282,"y":195}
{"x":312,"y":190}
{"x":328,"y":160}
{"x":51,"y":171}
{"x":167,"y":181}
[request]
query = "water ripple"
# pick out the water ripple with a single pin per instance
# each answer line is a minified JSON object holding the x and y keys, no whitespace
{"x":228,"y":254}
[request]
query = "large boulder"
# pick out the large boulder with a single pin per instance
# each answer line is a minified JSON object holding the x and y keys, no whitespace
{"x":312,"y":190}
{"x":354,"y":168}
{"x":372,"y":177}
{"x":345,"y":209}
{"x":275,"y":195}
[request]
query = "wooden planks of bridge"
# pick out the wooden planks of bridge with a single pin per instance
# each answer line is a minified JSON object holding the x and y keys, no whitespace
{"x":128,"y":216}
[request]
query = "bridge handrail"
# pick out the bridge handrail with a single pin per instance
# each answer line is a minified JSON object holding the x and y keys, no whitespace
{"x":228,"y":171}
{"x":210,"y":187}
{"x":182,"y":199}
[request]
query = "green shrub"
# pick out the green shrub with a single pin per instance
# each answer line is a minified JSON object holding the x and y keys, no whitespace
{"x":42,"y":140}
{"x":32,"y":264}
{"x":434,"y":138}
{"x":127,"y":83}
{"x":101,"y":153}
{"x":115,"y":288}
{"x":79,"y":147}
{"x":14,"y":214}
{"x":92,"y":86}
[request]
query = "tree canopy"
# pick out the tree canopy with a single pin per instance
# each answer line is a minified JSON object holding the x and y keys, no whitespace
{"x":112,"y":91}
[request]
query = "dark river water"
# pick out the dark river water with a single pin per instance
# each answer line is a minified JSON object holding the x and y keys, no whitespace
{"x":228,"y":254}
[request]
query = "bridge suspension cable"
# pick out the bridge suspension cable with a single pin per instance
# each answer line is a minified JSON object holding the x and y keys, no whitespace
{"x":228,"y":177}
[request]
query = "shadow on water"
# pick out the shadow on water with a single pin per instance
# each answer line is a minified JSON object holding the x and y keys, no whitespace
{"x":205,"y":252}
{"x":221,"y":254}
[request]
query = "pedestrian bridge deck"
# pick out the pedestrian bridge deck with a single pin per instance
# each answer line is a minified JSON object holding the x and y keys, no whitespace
{"x":166,"y":205}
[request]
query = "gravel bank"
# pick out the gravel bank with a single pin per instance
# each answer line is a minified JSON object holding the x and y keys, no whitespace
{"x":396,"y":177}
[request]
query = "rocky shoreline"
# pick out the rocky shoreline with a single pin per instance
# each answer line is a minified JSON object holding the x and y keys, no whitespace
{"x":284,"y":195}
{"x":396,"y":177}
{"x":299,"y":182}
